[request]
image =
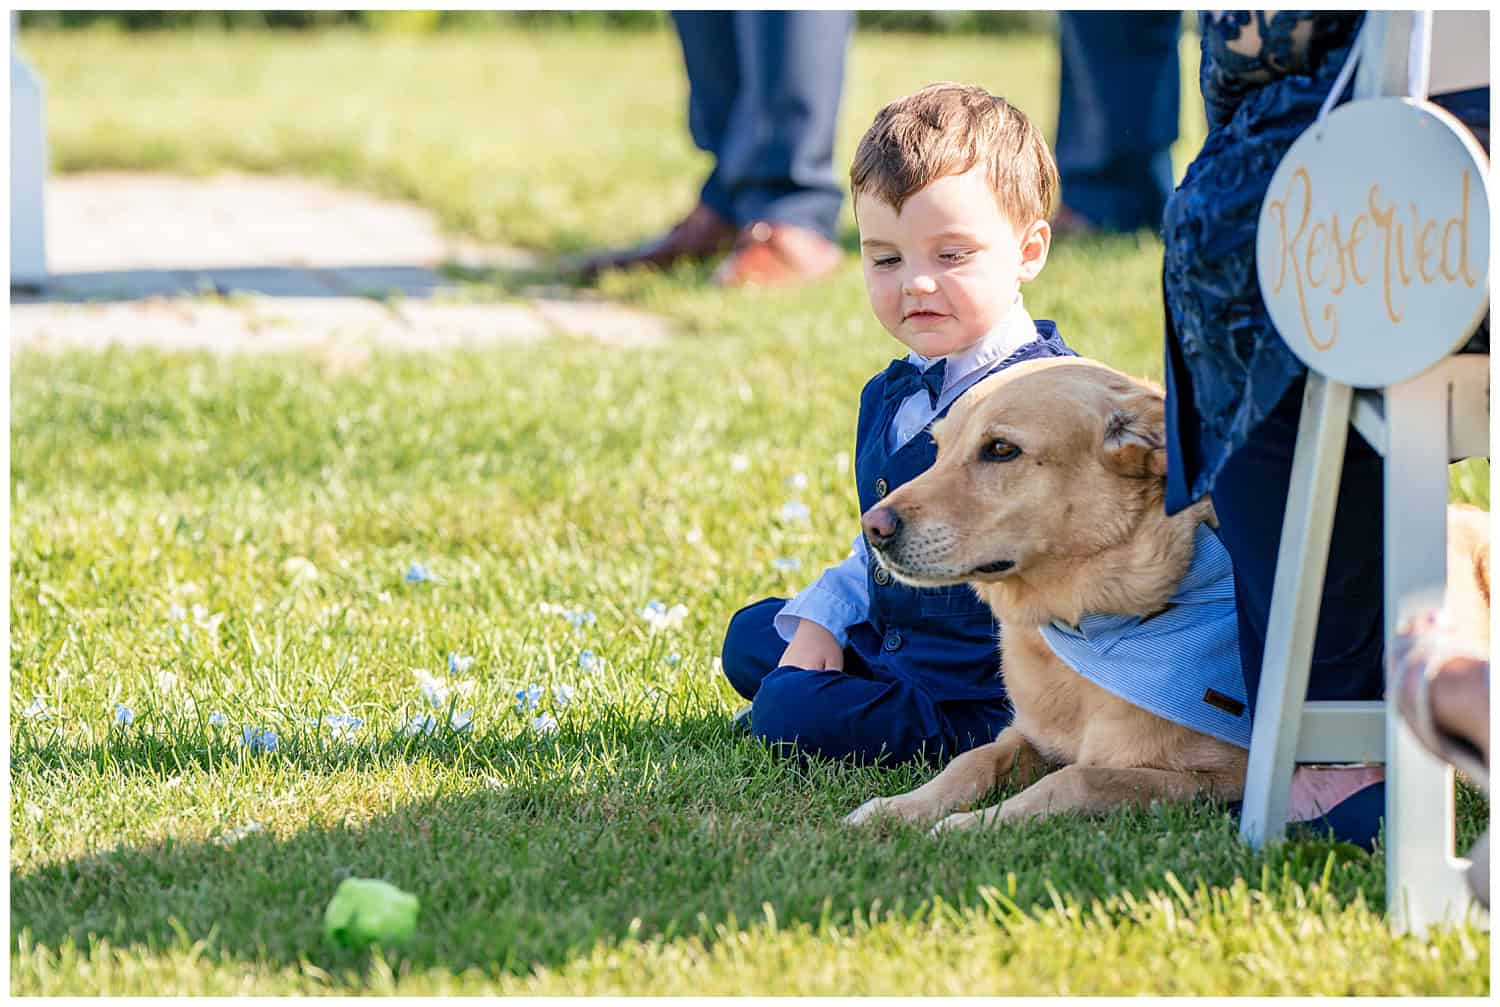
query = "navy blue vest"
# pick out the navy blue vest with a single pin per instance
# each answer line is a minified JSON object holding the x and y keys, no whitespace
{"x":943,"y":640}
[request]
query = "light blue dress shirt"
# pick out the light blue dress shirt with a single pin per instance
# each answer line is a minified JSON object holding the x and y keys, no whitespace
{"x":1182,"y":664}
{"x":840,"y":597}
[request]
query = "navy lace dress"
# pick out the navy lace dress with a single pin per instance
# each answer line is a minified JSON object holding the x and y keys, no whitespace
{"x":1264,"y":77}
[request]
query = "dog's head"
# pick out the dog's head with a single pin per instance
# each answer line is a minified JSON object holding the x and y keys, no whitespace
{"x":1046,"y":464}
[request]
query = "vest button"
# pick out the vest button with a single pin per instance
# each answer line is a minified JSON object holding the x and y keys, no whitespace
{"x":882,"y":576}
{"x":881,"y":487}
{"x":892,"y":641}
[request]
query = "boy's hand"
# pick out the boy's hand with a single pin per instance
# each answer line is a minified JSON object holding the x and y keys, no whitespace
{"x":813,"y":648}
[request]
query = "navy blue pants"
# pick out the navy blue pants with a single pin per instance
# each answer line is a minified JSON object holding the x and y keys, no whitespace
{"x":764,"y":89}
{"x":856,"y":713}
{"x":1349,"y":649}
{"x":1250,"y":498}
{"x":1118,"y":103}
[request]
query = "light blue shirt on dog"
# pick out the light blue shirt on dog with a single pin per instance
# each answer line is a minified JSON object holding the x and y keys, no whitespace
{"x":1182,"y":664}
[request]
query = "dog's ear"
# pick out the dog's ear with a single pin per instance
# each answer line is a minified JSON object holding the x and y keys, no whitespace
{"x":1135,"y":438}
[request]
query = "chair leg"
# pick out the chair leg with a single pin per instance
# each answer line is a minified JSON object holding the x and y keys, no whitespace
{"x":1424,"y":883}
{"x":28,"y":173}
{"x":1301,"y":565}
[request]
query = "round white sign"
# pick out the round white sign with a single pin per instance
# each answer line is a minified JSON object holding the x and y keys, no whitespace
{"x":1373,"y":247}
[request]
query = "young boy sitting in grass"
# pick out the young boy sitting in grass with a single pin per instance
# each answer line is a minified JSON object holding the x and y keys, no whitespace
{"x":952,"y":189}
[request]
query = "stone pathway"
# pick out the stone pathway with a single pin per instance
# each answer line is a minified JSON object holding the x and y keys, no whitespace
{"x":239,"y":263}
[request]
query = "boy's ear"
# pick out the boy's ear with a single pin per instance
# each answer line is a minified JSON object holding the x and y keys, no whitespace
{"x":1035,"y":243}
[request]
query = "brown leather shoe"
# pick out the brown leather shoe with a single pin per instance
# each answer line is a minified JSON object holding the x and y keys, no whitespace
{"x":702,"y":234}
{"x":778,"y":255}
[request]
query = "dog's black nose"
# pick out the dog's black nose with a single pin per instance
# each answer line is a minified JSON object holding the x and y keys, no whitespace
{"x":881,"y":525}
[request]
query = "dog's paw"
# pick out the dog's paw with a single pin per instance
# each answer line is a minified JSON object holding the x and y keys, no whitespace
{"x":873,"y":809}
{"x":960,"y":822}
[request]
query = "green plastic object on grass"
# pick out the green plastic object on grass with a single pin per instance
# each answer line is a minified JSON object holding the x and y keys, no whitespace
{"x":366,"y":911}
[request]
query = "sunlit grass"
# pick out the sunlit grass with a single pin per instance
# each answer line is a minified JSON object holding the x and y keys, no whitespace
{"x":645,"y":847}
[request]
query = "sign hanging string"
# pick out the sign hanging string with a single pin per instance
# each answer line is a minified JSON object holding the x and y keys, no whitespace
{"x":1418,"y":62}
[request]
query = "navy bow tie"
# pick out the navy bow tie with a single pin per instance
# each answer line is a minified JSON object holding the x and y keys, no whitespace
{"x":902,"y":379}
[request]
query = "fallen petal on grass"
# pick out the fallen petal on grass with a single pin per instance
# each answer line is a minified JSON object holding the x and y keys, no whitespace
{"x":258,"y":740}
{"x":422,"y":723}
{"x":527,"y":699}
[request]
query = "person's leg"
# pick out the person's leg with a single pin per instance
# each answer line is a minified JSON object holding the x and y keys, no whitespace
{"x":1250,"y":499}
{"x":976,"y":722}
{"x":841,"y":716}
{"x":752,"y":647}
{"x":1118,"y":106}
{"x":708,"y":231}
{"x":776,"y":160}
{"x":710,"y":55}
{"x":1348,"y":651}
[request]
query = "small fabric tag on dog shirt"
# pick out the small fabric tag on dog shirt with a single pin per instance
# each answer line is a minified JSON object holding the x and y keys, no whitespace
{"x":1231,"y":706}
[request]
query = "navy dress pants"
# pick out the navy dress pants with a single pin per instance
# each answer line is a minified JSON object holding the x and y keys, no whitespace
{"x":1118,"y":103}
{"x":764,"y":89}
{"x":1349,"y":649}
{"x":1250,"y":499}
{"x":857,"y":713}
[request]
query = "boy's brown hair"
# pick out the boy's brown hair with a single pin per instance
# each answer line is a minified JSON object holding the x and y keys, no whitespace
{"x":946,"y":129}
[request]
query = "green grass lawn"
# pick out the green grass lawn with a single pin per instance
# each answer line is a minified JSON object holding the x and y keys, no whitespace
{"x":643,"y":846}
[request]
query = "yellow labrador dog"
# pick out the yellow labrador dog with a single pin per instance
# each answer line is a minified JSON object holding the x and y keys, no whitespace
{"x":1046,"y":496}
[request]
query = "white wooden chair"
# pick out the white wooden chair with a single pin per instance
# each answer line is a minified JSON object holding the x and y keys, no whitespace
{"x":1419,"y":423}
{"x":28,"y":172}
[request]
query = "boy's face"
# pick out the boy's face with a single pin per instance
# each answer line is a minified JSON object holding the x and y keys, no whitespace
{"x":946,"y":269}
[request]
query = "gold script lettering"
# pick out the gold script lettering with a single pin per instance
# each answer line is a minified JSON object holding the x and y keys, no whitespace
{"x":1314,"y":247}
{"x":1423,"y":232}
{"x":1320,"y":255}
{"x":1288,"y":255}
{"x":1356,"y":235}
{"x":1384,"y":219}
{"x":1459,"y":224}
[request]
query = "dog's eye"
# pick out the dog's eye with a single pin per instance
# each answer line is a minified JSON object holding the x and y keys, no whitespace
{"x":1000,"y":451}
